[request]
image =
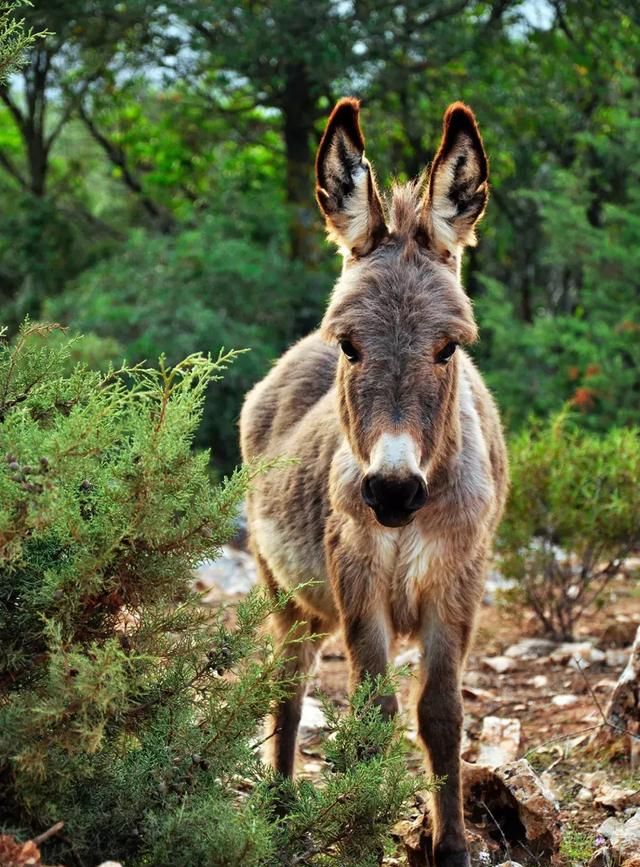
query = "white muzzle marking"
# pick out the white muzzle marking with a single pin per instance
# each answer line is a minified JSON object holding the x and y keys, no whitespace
{"x":395,"y":455}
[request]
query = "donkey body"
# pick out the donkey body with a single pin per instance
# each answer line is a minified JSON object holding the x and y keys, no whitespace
{"x":400,"y":474}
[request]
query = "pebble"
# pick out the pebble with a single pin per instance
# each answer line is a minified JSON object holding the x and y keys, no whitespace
{"x":539,"y":681}
{"x":565,"y":700}
{"x":584,"y":796}
{"x":530,"y":648}
{"x":500,"y":664}
{"x":499,"y":740}
{"x":616,"y":658}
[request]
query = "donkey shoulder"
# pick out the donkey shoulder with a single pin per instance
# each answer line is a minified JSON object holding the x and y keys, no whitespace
{"x":275,"y":406}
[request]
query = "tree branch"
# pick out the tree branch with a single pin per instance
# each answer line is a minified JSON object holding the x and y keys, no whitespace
{"x":73,"y":102}
{"x":117,"y":156}
{"x":10,"y":169}
{"x":12,"y":106}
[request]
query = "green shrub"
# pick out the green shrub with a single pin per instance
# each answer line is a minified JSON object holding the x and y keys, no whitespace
{"x":127,"y":711}
{"x":573,"y":516}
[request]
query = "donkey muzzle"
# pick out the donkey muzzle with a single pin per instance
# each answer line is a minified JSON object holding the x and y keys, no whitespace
{"x":394,"y":500}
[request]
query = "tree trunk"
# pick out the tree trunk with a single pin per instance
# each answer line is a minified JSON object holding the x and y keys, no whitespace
{"x":299,"y":116}
{"x":37,"y":160}
{"x":622,"y":713}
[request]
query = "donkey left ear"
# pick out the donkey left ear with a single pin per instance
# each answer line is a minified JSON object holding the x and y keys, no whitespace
{"x":458,"y":187}
{"x":346,"y":189}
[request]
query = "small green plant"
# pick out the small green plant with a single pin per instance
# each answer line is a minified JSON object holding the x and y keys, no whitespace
{"x":576,"y":847}
{"x":573,"y":516}
{"x":127,"y":711}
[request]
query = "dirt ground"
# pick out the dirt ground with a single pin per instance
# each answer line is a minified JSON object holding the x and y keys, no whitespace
{"x":553,"y":737}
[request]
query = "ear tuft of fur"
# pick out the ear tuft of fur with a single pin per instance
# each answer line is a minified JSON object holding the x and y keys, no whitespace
{"x":346,"y":189}
{"x":458,"y":183}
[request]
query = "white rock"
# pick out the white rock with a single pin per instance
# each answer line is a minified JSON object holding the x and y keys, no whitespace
{"x":500,"y":664}
{"x":564,"y":700}
{"x":530,"y":648}
{"x":539,"y":681}
{"x":610,"y":827}
{"x":313,"y":717}
{"x":233,"y":572}
{"x":616,"y":658}
{"x":499,"y":741}
{"x":110,"y":864}
{"x":584,"y":796}
{"x":583,"y":650}
{"x":624,"y":837}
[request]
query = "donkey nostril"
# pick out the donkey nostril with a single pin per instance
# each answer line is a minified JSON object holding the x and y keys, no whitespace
{"x":418,"y":498}
{"x":367,"y":492}
{"x":400,"y":495}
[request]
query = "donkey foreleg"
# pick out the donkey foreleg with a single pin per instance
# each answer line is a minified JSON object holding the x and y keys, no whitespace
{"x":298,"y":640}
{"x":299,"y":649}
{"x":367,"y":640}
{"x":440,"y":717}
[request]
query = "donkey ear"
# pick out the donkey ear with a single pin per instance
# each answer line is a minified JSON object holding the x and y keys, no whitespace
{"x":458,"y":190}
{"x":346,"y":188}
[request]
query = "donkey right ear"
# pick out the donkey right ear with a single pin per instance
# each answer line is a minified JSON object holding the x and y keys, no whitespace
{"x":346,"y":189}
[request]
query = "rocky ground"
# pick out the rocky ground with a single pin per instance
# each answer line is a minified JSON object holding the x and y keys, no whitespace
{"x":538,"y":792}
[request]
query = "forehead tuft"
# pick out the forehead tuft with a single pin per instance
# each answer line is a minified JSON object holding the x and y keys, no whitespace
{"x":395,"y":290}
{"x":404,"y":209}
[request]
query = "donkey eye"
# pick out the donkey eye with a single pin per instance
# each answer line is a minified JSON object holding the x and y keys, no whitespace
{"x":445,"y":354}
{"x":349,"y":350}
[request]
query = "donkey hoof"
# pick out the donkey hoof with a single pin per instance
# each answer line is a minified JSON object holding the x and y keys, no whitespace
{"x":452,"y":859}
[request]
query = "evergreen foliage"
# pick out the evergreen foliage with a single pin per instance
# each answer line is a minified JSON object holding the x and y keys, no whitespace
{"x":573,"y":516}
{"x":14,"y":40}
{"x":127,"y":711}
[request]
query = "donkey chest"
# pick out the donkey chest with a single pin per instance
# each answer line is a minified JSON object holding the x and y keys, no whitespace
{"x":410,"y":567}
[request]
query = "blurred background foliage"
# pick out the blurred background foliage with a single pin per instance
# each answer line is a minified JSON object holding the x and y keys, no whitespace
{"x":156,"y":164}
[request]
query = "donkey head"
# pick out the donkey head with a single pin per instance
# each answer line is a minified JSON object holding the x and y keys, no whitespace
{"x":398,"y":312}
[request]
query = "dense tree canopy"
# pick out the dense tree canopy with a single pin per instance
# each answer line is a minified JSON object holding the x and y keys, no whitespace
{"x":159,"y":163}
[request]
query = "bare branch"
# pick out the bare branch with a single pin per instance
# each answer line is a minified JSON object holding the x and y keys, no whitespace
{"x":10,"y":169}
{"x":118,"y":158}
{"x":73,"y":101}
{"x":12,"y":106}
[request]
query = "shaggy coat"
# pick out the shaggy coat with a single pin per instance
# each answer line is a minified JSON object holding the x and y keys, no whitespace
{"x":400,"y":472}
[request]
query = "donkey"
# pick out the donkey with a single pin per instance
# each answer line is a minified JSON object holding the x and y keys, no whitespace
{"x":401,"y":474}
